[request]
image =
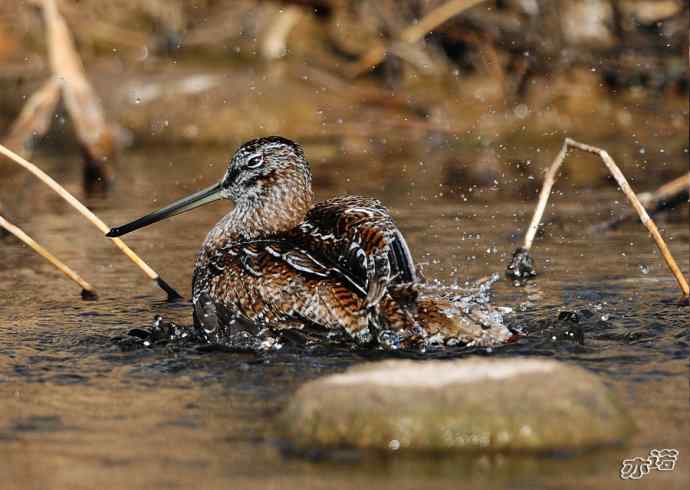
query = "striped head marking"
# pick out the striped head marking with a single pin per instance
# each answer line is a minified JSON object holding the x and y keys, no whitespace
{"x":260,"y":164}
{"x":269,"y":180}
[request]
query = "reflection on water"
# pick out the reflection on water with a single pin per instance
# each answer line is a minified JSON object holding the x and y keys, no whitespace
{"x":76,"y":411}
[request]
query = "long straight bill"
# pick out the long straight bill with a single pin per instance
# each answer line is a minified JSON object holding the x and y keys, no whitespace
{"x":183,"y":205}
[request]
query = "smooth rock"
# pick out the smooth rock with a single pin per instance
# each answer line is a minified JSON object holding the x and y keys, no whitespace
{"x":531,"y":404}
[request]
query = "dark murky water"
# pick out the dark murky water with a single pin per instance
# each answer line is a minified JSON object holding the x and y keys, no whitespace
{"x":78,"y":412}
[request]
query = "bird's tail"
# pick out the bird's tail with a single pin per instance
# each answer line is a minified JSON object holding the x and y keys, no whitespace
{"x":415,"y":314}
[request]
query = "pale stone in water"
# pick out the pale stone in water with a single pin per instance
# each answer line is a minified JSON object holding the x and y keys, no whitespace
{"x":437,"y":374}
{"x":529,"y":404}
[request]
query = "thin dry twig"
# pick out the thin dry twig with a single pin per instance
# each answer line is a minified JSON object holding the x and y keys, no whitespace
{"x":521,"y":264}
{"x":667,"y":196}
{"x":34,"y":119}
{"x":81,"y":101}
{"x":274,"y":44}
{"x":4,"y":211}
{"x":75,"y":203}
{"x":413,"y":33}
{"x":93,"y":29}
{"x":87,"y":291}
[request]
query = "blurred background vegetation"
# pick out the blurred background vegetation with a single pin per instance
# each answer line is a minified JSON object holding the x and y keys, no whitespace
{"x":223,"y":71}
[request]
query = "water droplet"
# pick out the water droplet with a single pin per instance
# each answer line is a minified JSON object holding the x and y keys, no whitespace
{"x":521,"y":111}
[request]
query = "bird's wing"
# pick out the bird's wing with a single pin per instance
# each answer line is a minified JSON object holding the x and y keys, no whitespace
{"x":350,"y":240}
{"x":273,"y":281}
{"x":259,"y":258}
{"x":359,"y":237}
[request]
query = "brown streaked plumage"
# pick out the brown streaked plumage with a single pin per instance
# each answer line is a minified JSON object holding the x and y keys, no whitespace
{"x":278,"y":262}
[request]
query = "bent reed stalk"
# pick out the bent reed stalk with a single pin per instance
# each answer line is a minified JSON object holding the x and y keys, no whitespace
{"x":622,"y":182}
{"x":413,"y":33}
{"x":88,"y":214}
{"x":88,"y":292}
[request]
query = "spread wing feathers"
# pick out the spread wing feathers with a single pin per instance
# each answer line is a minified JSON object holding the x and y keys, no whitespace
{"x":273,"y":282}
{"x":359,"y":236}
{"x":347,"y":264}
{"x":258,"y":258}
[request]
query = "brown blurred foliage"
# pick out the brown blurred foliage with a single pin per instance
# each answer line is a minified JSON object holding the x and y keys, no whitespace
{"x":211,"y":70}
{"x":524,"y":36}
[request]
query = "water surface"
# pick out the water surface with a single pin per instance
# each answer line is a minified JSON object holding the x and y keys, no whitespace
{"x":76,"y":411}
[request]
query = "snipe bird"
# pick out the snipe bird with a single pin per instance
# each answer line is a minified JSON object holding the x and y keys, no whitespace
{"x":280,"y":262}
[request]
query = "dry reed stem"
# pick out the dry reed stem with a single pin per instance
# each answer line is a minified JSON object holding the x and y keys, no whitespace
{"x":627,"y":190}
{"x":666,"y":196}
{"x":87,"y":289}
{"x":75,"y":203}
{"x":99,"y":30}
{"x":413,"y":33}
{"x":35,"y":118}
{"x":274,"y":45}
{"x":80,"y":98}
{"x":672,"y":187}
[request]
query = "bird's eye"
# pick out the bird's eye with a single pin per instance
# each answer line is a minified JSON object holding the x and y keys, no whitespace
{"x":255,"y":162}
